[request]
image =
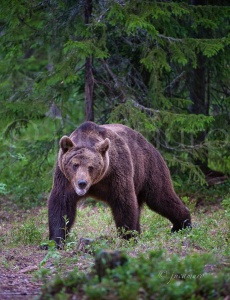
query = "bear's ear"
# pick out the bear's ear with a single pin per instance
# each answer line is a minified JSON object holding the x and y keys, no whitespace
{"x":103,"y":146}
{"x":66,"y":143}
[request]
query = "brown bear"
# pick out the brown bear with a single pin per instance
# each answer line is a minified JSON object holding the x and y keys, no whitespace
{"x":117,"y":165}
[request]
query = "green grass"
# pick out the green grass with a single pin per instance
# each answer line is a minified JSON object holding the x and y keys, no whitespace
{"x":156,"y":252}
{"x":210,"y":232}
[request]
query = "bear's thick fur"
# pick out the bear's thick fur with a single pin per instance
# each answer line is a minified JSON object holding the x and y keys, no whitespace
{"x":117,"y":165}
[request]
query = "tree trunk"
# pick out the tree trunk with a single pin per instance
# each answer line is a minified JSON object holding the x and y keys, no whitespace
{"x":89,"y":79}
{"x":89,"y":87}
{"x":198,"y":75}
{"x":198,"y":87}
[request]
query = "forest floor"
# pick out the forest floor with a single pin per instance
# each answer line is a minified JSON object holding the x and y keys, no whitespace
{"x":25,"y":268}
{"x":17,"y":282}
{"x":17,"y":264}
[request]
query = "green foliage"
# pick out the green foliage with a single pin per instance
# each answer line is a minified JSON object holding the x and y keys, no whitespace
{"x":193,"y":262}
{"x":149,"y":274}
{"x":3,"y":189}
{"x":146,"y":52}
{"x":31,"y":161}
{"x":52,"y":253}
{"x":28,"y":233}
{"x":226,"y":206}
{"x":171,"y":133}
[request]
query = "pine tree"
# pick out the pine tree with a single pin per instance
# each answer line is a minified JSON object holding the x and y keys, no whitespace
{"x":141,"y":63}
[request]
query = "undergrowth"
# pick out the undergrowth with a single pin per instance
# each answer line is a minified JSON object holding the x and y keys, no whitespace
{"x":148,"y":276}
{"x":190,"y":264}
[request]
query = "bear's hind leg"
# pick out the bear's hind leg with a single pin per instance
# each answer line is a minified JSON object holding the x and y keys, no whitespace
{"x":171,"y":207}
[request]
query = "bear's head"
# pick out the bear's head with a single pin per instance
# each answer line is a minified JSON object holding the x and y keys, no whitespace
{"x":83,"y":166}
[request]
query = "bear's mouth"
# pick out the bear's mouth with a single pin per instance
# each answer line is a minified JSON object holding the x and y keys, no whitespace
{"x":80,"y":192}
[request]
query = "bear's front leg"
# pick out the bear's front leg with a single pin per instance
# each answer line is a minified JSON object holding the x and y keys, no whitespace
{"x":126,"y":212}
{"x":61,"y":209}
{"x":61,"y":214}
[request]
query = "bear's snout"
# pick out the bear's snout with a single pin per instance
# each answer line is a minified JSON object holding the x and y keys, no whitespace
{"x":82,"y":184}
{"x":80,"y":187}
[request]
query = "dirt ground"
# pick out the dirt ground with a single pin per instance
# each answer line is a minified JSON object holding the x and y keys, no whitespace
{"x":17,"y":266}
{"x":16,"y":277}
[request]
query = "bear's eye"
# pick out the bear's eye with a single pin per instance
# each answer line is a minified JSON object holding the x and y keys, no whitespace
{"x":90,"y":169}
{"x":75,"y":166}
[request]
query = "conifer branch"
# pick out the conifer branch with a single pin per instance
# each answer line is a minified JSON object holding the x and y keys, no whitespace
{"x":142,"y":108}
{"x":116,"y":80}
{"x":41,"y":5}
{"x":175,"y":80}
{"x":169,"y":38}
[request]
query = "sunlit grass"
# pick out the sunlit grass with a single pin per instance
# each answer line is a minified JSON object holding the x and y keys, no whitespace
{"x":27,"y":230}
{"x":210,"y":231}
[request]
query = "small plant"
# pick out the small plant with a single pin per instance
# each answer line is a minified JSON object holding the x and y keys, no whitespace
{"x":5,"y":263}
{"x":65,"y":230}
{"x":52,"y":252}
{"x":27,"y":233}
{"x":3,"y":189}
{"x":189,"y":203}
{"x":96,"y":292}
{"x":226,"y":206}
{"x":54,"y":255}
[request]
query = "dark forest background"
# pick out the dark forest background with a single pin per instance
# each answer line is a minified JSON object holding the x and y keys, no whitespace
{"x":160,"y":67}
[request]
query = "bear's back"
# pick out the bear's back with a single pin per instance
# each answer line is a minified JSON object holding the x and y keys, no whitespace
{"x":134,"y":140}
{"x":146,"y":158}
{"x":88,"y":134}
{"x":129,"y":152}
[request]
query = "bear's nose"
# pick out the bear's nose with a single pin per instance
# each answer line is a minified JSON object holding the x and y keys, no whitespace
{"x":82,"y":184}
